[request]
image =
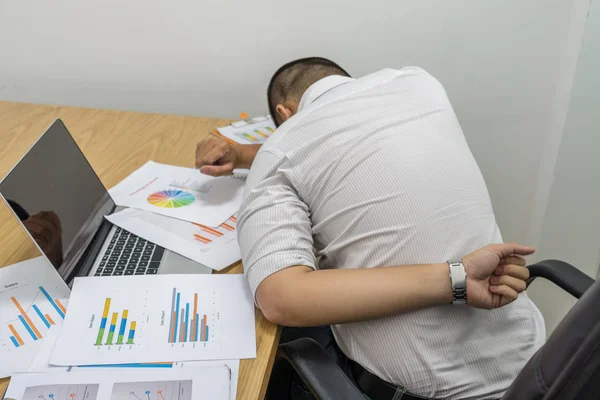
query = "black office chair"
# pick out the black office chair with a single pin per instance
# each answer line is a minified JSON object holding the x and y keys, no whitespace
{"x":565,"y":368}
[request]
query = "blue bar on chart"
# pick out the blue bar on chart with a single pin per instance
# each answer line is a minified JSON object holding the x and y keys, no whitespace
{"x":54,"y":304}
{"x":186,"y":324}
{"x":42,"y":317}
{"x":187,"y":319}
{"x":27,"y":327}
{"x":14,"y":341}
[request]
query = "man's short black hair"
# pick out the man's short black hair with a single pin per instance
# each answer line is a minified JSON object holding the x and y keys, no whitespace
{"x":291,"y":80}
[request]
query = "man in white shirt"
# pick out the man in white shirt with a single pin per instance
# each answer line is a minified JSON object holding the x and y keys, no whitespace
{"x":357,"y":214}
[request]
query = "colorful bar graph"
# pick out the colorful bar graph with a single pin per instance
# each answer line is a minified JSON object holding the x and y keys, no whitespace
{"x":50,"y":319}
{"x":27,"y":321}
{"x":186,"y":324}
{"x":42,"y":316}
{"x":12,"y":338}
{"x":55,"y":303}
{"x":15,"y":335}
{"x":269,"y":129}
{"x":131,"y":332}
{"x":103,"y":322}
{"x":111,"y":330}
{"x":122,"y":327}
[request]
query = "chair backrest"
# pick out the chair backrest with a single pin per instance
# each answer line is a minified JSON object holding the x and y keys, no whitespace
{"x":568,"y":365}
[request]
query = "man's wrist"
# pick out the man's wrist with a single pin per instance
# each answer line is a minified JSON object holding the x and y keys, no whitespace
{"x":245,"y":154}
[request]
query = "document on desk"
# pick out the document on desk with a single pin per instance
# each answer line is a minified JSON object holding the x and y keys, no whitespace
{"x":182,"y":193}
{"x":33,"y":298}
{"x":41,"y":363}
{"x":216,"y":247}
{"x":157,"y":318}
{"x":254,"y":131}
{"x":210,"y":383}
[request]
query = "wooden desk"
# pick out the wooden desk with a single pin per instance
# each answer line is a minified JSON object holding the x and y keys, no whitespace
{"x":116,"y":143}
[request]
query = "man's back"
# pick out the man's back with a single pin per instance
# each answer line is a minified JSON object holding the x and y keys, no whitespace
{"x":388,"y":179}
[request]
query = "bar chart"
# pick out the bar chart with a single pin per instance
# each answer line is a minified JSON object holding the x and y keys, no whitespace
{"x":107,"y":337}
{"x":157,"y":319}
{"x":32,"y":321}
{"x":188,"y":323}
{"x":33,"y":300}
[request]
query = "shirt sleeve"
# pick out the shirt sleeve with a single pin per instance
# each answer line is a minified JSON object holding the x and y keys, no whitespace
{"x":274,"y":229}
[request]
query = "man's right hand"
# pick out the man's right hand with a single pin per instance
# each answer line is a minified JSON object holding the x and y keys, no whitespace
{"x":496,"y":274}
{"x":216,"y":157}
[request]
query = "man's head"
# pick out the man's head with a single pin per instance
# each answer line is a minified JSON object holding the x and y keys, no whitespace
{"x":290,"y":82}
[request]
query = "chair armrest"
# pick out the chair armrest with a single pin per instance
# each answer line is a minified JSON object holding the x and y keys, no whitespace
{"x":318,"y":371}
{"x":563,"y":275}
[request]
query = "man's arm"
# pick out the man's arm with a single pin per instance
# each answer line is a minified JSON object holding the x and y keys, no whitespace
{"x":216,"y":157}
{"x":275,"y":236}
{"x":301,"y":296}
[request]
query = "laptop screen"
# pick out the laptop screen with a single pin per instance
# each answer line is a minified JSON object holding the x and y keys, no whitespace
{"x":58,"y":197}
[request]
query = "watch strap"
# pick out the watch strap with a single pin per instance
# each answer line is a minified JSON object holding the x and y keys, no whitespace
{"x":458,"y":278}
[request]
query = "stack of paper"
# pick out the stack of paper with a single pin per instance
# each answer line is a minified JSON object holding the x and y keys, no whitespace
{"x":251,"y":131}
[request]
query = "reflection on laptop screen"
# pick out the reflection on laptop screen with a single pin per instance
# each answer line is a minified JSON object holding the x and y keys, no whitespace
{"x":58,"y":197}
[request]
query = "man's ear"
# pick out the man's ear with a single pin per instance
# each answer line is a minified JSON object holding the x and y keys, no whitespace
{"x":284,"y":113}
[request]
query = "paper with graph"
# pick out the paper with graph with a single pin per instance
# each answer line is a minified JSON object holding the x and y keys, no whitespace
{"x":254,"y":131}
{"x":158,"y":318}
{"x":210,"y":382}
{"x":216,"y":247}
{"x":33,"y":298}
{"x":182,"y":193}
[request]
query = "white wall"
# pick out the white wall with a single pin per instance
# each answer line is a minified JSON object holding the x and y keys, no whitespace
{"x":502,"y":62}
{"x":508,"y":66}
{"x":571,"y":228}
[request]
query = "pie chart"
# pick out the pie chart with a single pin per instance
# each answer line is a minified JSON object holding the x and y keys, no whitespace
{"x":171,"y":199}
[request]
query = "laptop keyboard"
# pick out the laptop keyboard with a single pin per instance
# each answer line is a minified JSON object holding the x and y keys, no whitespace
{"x":128,"y":254}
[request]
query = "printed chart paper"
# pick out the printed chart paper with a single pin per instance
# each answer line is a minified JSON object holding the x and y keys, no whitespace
{"x":257,"y":131}
{"x":206,"y":383}
{"x":182,"y":193}
{"x":41,"y":363}
{"x":158,"y":318}
{"x":216,"y":248}
{"x":33,"y":298}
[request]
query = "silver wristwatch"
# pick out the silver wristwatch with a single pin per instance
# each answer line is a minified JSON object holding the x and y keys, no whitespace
{"x":458,"y":277}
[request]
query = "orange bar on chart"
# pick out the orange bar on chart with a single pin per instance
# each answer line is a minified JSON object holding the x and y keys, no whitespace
{"x":16,"y":334}
{"x":228,"y":227}
{"x":211,"y":231}
{"x":60,"y":306}
{"x":49,"y":319}
{"x":202,"y":239}
{"x":24,"y":314}
{"x":233,"y":218}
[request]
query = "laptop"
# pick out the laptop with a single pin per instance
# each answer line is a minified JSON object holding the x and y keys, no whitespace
{"x":61,"y":202}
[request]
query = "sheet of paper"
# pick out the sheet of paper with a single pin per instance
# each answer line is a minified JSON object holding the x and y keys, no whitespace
{"x":255,"y":132}
{"x":157,"y":318}
{"x":182,"y":193}
{"x":209,"y":383}
{"x":41,"y":363}
{"x":33,"y":298}
{"x":216,"y":248}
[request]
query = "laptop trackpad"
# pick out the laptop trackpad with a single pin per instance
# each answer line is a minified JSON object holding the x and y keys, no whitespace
{"x":173,"y":263}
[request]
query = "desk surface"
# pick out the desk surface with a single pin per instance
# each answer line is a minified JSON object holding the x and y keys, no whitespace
{"x":116,"y":143}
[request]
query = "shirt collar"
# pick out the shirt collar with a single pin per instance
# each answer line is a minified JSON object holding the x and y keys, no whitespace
{"x":320,"y":87}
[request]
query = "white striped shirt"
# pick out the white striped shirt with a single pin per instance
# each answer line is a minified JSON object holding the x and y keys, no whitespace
{"x":376,"y":172}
